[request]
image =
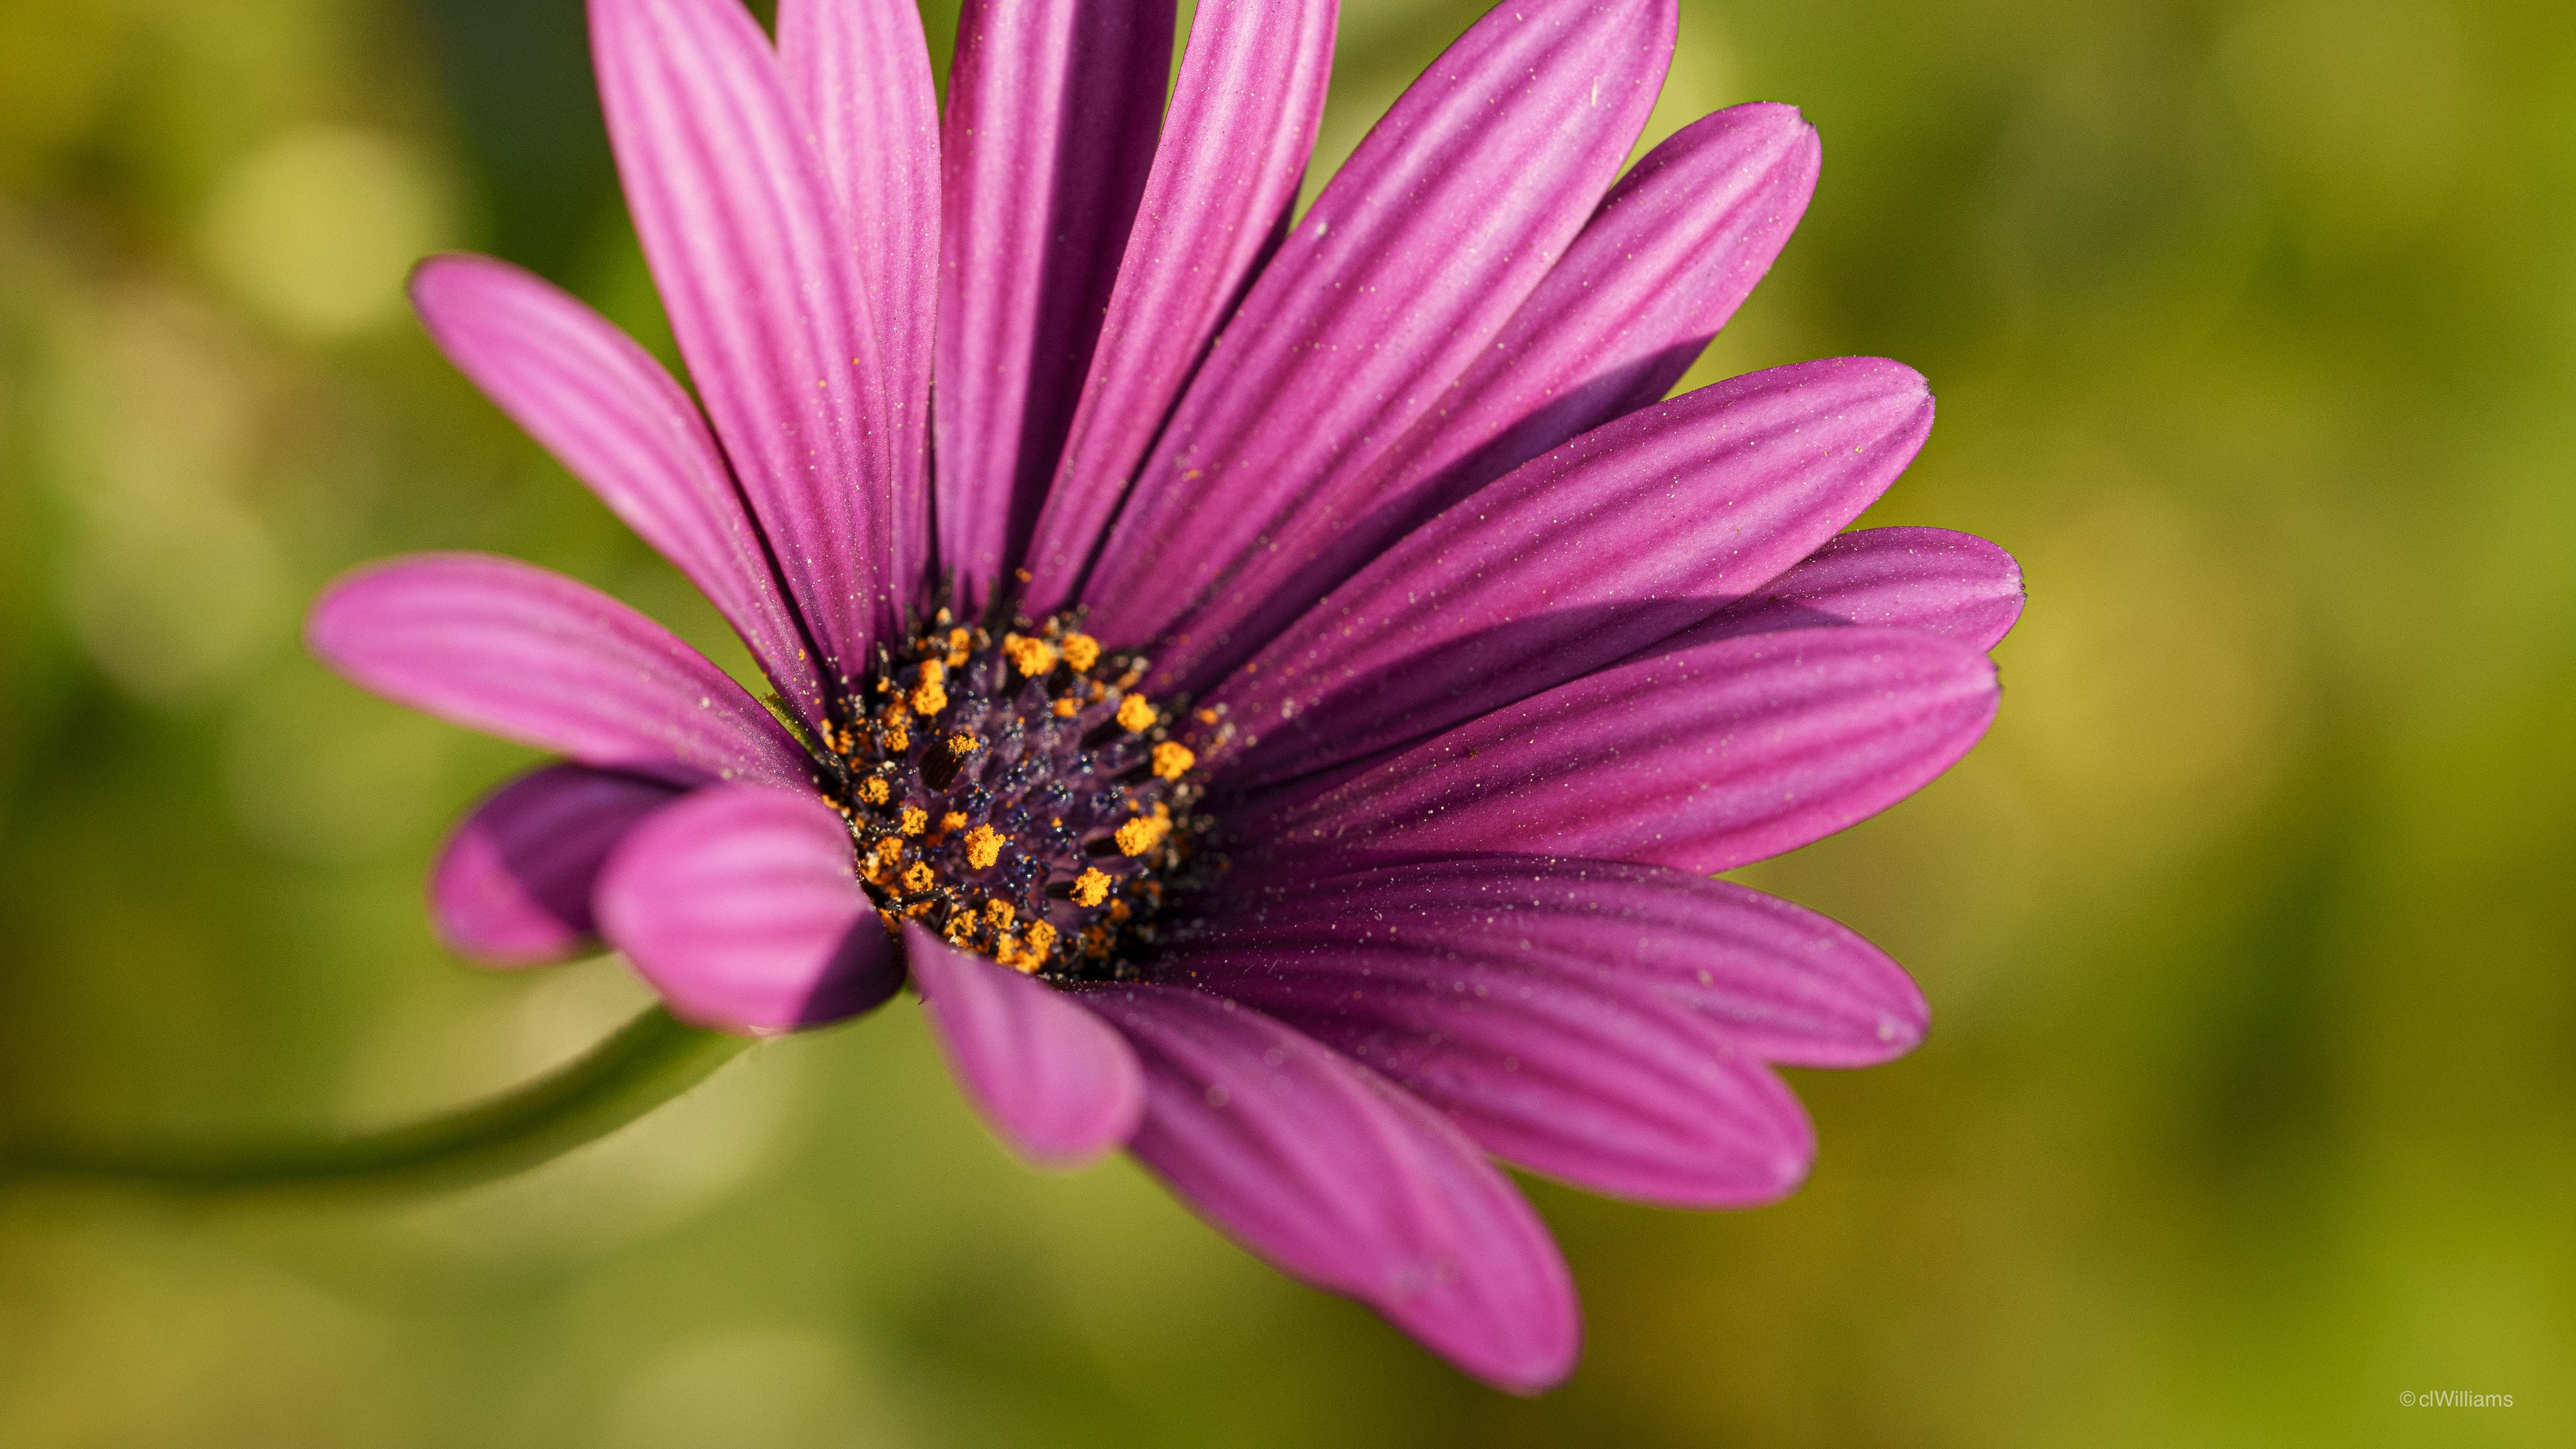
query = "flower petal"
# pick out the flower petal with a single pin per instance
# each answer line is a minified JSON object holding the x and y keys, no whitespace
{"x":1612,"y":542}
{"x":1053,"y":1079}
{"x":512,"y":885}
{"x":1444,"y":219}
{"x":761,"y":281}
{"x":1782,"y":982}
{"x":617,"y":421}
{"x":512,"y":650}
{"x":1955,"y":585}
{"x":1561,"y":1065}
{"x":1242,"y":122}
{"x":1335,"y":1176}
{"x":1053,"y":110}
{"x":1675,"y":248}
{"x":859,"y":71}
{"x":1702,"y":759}
{"x":741,"y":907}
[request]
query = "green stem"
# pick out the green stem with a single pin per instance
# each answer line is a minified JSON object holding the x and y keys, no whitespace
{"x":649,"y":1061}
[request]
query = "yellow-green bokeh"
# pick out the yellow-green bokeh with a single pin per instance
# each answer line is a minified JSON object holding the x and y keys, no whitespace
{"x":2247,"y":932}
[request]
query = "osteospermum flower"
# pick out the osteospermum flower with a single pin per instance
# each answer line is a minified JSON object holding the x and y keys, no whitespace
{"x":1278,"y":694}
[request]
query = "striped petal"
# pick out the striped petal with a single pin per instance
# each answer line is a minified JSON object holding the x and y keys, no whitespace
{"x":1054,"y":1080}
{"x":1702,"y":759}
{"x":1234,"y":149}
{"x":1675,"y":248}
{"x":859,"y":72}
{"x":1612,"y":542}
{"x":1415,"y":255}
{"x":759,"y":275}
{"x":1320,"y":1166}
{"x":1955,"y":585}
{"x":741,"y":907}
{"x":619,"y":423}
{"x":1053,"y":111}
{"x":512,"y":650}
{"x":512,"y":885}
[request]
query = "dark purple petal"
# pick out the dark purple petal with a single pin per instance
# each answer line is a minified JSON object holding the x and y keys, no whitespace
{"x":1415,"y":255}
{"x":1932,"y":580}
{"x":512,"y":886}
{"x":1053,"y":109}
{"x":1241,"y":124}
{"x":1702,"y":759}
{"x":1054,"y":1080}
{"x":740,"y":905}
{"x":759,"y":273}
{"x":860,"y":74}
{"x":1783,"y":983}
{"x":617,"y":421}
{"x":1318,"y":1165}
{"x":1676,"y":247}
{"x":1562,"y":1065}
{"x":1616,"y":540}
{"x":512,"y":650}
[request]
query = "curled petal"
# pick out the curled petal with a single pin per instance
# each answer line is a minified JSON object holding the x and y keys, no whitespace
{"x":740,"y":906}
{"x":1054,"y":1080}
{"x":1339,"y":1178}
{"x":515,"y":651}
{"x":512,"y":886}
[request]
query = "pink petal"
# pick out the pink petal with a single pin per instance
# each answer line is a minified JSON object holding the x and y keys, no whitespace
{"x":512,"y":885}
{"x":859,"y":71}
{"x":1781,"y":982}
{"x":1612,"y":542}
{"x":1675,"y":248}
{"x":740,"y":905}
{"x":759,"y":274}
{"x":1053,"y":1080}
{"x":1424,"y":244}
{"x":1564,"y":1066}
{"x":512,"y":650}
{"x":1702,"y":759}
{"x":1955,"y":585}
{"x":1053,"y":109}
{"x":1242,"y":121}
{"x":1320,"y":1166}
{"x":616,"y":420}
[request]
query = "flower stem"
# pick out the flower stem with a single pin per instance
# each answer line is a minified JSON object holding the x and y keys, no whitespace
{"x":649,"y":1061}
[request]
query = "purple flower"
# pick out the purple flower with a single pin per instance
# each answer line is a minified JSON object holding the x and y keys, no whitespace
{"x":1281,"y":696}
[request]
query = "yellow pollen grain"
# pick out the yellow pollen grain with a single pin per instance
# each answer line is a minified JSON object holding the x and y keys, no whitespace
{"x":914,"y":820}
{"x":999,"y":912}
{"x":960,"y":643}
{"x":1135,"y":714}
{"x":960,"y":926}
{"x":953,"y":820}
{"x":1066,"y":708}
{"x":983,"y":846}
{"x":1172,"y":761}
{"x":1041,"y":940}
{"x":874,"y":790}
{"x":964,"y":744}
{"x":895,"y":738}
{"x":889,"y":850}
{"x":1091,"y":888}
{"x":1081,"y":651}
{"x":1031,"y":657}
{"x":1142,"y":834}
{"x":920,"y":878}
{"x":933,"y":672}
{"x":1006,"y":949}
{"x":930,"y":697}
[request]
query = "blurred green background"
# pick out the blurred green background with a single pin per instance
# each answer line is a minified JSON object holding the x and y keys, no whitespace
{"x":2247,"y":932}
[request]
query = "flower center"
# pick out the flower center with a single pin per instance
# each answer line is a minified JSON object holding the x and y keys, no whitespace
{"x":1016,"y":794}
